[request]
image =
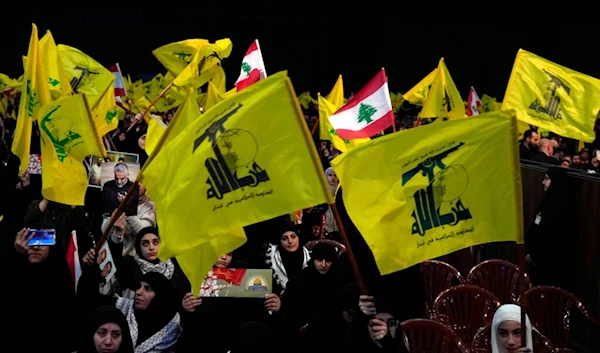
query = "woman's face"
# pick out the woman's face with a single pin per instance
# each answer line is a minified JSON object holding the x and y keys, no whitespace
{"x":546,"y":182}
{"x":142,"y":142}
{"x":150,"y":244}
{"x":509,"y":336}
{"x":290,"y":241}
{"x":332,"y":179}
{"x":143,"y":296}
{"x":38,"y":254}
{"x":223,"y":261}
{"x":108,"y":337}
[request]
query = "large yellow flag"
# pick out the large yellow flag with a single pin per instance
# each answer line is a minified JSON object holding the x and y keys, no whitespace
{"x":327,"y":109}
{"x":67,"y":136}
{"x":58,"y":80}
{"x":35,"y":93}
{"x":553,"y":97}
{"x":86,"y":75}
{"x":426,"y":192}
{"x":443,"y":99}
{"x":205,"y":64}
{"x":248,"y":159}
{"x":105,"y":115}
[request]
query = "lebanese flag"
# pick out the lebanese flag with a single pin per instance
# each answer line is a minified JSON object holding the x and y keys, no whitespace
{"x":118,"y":83}
{"x":473,"y":103}
{"x":73,"y":259}
{"x":253,"y":67}
{"x":367,"y":113}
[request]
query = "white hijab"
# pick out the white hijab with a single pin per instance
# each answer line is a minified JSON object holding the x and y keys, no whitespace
{"x":510,"y":312}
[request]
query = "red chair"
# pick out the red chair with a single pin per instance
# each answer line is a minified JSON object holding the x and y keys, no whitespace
{"x":549,"y":309}
{"x":437,"y":277}
{"x":499,"y":277}
{"x":424,"y":335}
{"x":482,"y":342}
{"x":341,"y":248}
{"x":465,"y":309}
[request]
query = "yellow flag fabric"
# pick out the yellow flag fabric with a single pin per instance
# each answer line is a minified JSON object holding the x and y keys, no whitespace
{"x":419,"y":92}
{"x":236,"y":165}
{"x":58,"y":80}
{"x":423,"y":193}
{"x":106,"y":116}
{"x":153,"y":135}
{"x":85,"y":74}
{"x":553,"y":97}
{"x":335,"y":98}
{"x":327,"y":109}
{"x":213,"y":95}
{"x":176,"y":56}
{"x":443,"y":100}
{"x":35,"y":93}
{"x":7,"y":82}
{"x":67,"y":138}
{"x":205,"y":64}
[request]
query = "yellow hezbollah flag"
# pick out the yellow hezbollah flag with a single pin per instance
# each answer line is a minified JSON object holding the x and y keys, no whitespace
{"x":176,"y":56}
{"x":58,"y":81}
{"x":419,"y":92}
{"x":553,"y":97}
{"x":205,"y":64}
{"x":335,"y":98}
{"x":67,"y":138}
{"x":426,"y":192}
{"x":86,"y":75}
{"x":35,"y":93}
{"x":105,"y":115}
{"x":443,"y":100}
{"x":236,"y":165}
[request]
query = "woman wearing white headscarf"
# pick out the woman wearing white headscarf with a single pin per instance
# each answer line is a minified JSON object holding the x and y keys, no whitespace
{"x":506,"y":330}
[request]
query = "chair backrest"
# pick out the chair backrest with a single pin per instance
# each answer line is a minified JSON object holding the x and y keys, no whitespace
{"x":465,"y":309}
{"x":341,"y":248}
{"x":549,"y":310}
{"x":500,"y":277}
{"x":424,"y":335}
{"x":482,"y":342}
{"x":437,"y":277}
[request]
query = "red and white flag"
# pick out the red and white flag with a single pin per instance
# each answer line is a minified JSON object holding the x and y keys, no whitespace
{"x":367,"y":113}
{"x":253,"y":67}
{"x":118,"y":83}
{"x":474,"y":103}
{"x":73,"y":259}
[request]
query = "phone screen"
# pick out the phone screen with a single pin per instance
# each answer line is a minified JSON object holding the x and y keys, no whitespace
{"x":42,"y":237}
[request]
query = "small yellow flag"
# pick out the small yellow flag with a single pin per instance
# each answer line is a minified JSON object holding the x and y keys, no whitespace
{"x":420,"y":91}
{"x":327,"y":109}
{"x":423,"y":193}
{"x":205,"y":64}
{"x":553,"y":97}
{"x":67,"y":136}
{"x":176,"y":56}
{"x":443,"y":99}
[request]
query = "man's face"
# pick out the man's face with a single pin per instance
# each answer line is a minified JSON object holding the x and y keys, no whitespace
{"x":121,"y":179}
{"x":534,"y":140}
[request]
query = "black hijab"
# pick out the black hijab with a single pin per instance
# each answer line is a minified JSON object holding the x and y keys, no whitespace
{"x":108,"y":314}
{"x":292,"y":261}
{"x":138,"y":242}
{"x":161,"y":309}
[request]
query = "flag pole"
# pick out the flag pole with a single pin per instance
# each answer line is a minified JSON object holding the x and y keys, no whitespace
{"x":164,"y":91}
{"x":324,"y":186}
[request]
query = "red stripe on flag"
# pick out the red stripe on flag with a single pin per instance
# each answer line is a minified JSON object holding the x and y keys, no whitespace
{"x":371,"y":87}
{"x":254,"y":77}
{"x":370,"y":130}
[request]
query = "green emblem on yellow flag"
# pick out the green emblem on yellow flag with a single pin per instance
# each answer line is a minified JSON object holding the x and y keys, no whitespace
{"x":58,"y":129}
{"x":52,"y":81}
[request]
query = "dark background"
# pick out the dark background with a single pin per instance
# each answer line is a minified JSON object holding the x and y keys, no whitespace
{"x":317,"y":41}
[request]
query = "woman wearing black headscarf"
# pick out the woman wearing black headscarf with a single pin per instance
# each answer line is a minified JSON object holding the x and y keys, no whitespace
{"x":108,"y":332}
{"x":286,"y":257}
{"x":145,"y":260}
{"x":549,"y":241}
{"x":39,"y":294}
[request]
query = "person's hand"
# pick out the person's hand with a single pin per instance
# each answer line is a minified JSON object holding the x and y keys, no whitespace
{"x":378,"y":329}
{"x":23,"y":237}
{"x":367,"y":305}
{"x":139,"y":117}
{"x":90,"y":257}
{"x":272,"y":302}
{"x":120,"y":222}
{"x":190,"y":303}
{"x":121,"y":196}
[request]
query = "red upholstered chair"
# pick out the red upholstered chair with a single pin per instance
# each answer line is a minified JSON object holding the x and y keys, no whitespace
{"x":500,"y":277}
{"x":465,"y":309}
{"x":424,"y":335}
{"x":437,"y":277}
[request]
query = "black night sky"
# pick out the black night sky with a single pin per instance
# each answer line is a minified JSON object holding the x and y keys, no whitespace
{"x":314,"y":43}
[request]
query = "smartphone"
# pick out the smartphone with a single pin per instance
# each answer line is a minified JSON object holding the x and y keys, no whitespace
{"x":42,"y":237}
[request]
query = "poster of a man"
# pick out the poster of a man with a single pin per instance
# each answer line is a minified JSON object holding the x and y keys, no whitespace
{"x":124,"y":157}
{"x":117,"y":179}
{"x":95,"y":172}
